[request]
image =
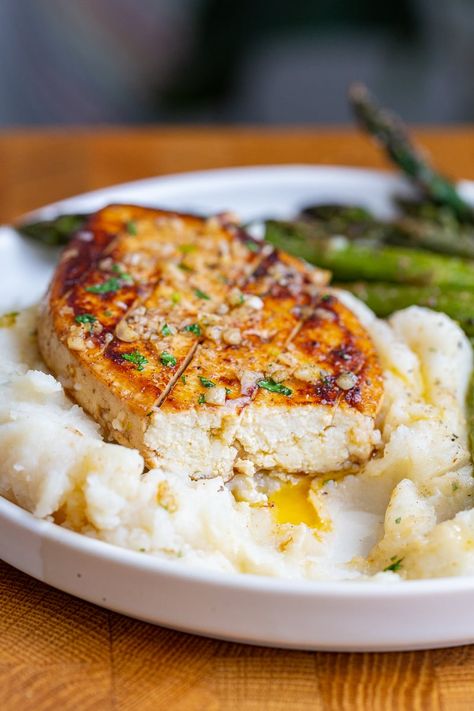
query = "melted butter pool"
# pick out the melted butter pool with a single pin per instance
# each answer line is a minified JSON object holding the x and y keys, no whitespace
{"x":296,"y":504}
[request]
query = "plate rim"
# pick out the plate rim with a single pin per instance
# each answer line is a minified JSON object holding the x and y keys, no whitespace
{"x":240,"y":170}
{"x":362,"y":589}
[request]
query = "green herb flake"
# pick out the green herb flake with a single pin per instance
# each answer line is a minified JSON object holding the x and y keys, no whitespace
{"x":201,"y":399}
{"x":206,"y":382}
{"x":185,"y":267}
{"x":183,"y":379}
{"x":8,"y":320}
{"x":176,"y":297}
{"x":136,"y":358}
{"x":398,"y":520}
{"x":202,"y":294}
{"x":120,"y":272}
{"x":106,"y":287}
{"x":85,"y":318}
{"x":228,"y":392}
{"x":108,"y":313}
{"x":187,"y":248}
{"x":166,"y":330}
{"x":396,"y":565}
{"x":168,"y":359}
{"x":253,"y":246}
{"x":193,"y":328}
{"x":273,"y":387}
{"x":454,"y":486}
{"x":326,"y":297}
{"x":131,"y":228}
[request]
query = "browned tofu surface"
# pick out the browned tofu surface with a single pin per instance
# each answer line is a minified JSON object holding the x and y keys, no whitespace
{"x":154,"y":315}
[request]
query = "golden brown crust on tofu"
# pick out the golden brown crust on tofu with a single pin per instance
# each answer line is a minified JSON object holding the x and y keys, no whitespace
{"x":122,"y":301}
{"x":154,"y":314}
{"x":330,"y":361}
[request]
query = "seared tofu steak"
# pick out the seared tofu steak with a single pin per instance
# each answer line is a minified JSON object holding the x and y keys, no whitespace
{"x":207,"y":350}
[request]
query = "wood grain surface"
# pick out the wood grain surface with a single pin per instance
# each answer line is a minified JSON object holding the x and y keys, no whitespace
{"x":57,"y":652}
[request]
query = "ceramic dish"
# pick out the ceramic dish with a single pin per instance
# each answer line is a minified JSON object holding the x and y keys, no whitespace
{"x":342,"y":616}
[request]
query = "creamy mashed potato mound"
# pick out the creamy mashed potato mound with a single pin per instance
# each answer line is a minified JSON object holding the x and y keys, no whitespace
{"x":407,"y":514}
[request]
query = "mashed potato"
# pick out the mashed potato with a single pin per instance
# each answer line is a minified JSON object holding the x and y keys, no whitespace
{"x":406,"y":514}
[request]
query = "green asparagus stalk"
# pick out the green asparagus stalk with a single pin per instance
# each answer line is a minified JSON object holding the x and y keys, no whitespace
{"x":385,"y":298}
{"x":433,"y":236}
{"x":470,"y":411}
{"x":392,"y":135}
{"x":352,"y":221}
{"x":363,"y":260}
{"x":422,"y":225}
{"x":54,"y":233}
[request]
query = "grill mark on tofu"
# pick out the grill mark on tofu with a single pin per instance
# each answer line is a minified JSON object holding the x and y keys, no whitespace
{"x":331,"y":343}
{"x":192,"y":286}
{"x":174,"y":270}
{"x":274,"y":301}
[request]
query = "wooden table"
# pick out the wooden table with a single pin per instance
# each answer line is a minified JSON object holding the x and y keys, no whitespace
{"x":57,"y":652}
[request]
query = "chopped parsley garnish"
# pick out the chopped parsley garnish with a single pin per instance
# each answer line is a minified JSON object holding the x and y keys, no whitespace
{"x":253,"y":246}
{"x":206,"y":382}
{"x":398,"y":520}
{"x":136,"y":358}
{"x":185,"y":267}
{"x":131,"y":227}
{"x":396,"y":565}
{"x":89,"y":319}
{"x":273,"y":387}
{"x":326,"y":297}
{"x":183,"y":379}
{"x":201,"y":399}
{"x":454,"y":486}
{"x":108,"y":313}
{"x":202,"y":294}
{"x":176,"y":297}
{"x":166,"y":330}
{"x":168,"y":359}
{"x":9,"y":319}
{"x":123,"y":275}
{"x":85,"y":318}
{"x":106,"y":287}
{"x":228,"y":391}
{"x":193,"y":328}
{"x":187,"y":248}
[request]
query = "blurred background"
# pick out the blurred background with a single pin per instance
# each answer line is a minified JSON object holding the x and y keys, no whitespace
{"x":217,"y":61}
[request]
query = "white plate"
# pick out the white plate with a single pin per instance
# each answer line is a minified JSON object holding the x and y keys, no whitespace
{"x":341,"y":616}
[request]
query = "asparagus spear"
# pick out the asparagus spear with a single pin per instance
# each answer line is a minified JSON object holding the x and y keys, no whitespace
{"x":336,"y":213}
{"x":352,"y":221}
{"x":392,"y":135}
{"x":385,"y":298}
{"x":355,"y":260}
{"x":54,"y":232}
{"x":433,"y":236}
{"x":423,"y":225}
